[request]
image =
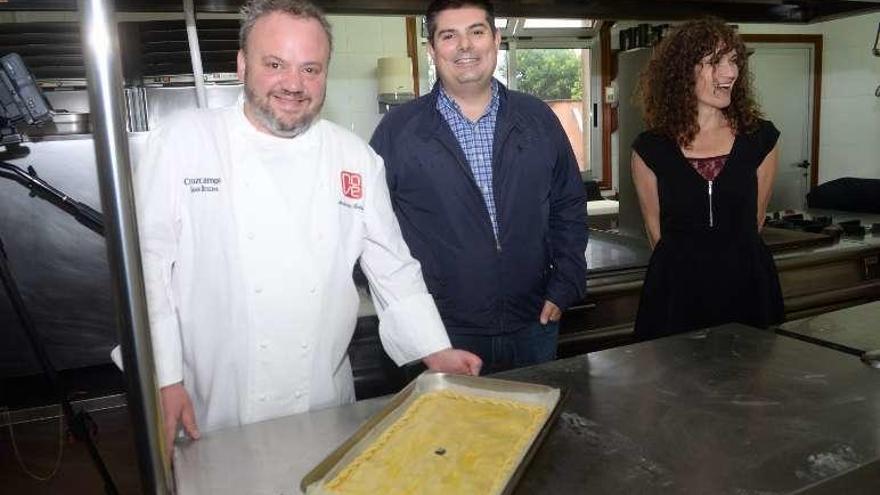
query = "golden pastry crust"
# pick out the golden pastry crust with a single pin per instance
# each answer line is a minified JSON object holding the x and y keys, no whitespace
{"x":445,"y":442}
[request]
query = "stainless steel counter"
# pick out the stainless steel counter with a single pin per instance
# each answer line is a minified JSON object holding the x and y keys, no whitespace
{"x":726,"y":410}
{"x":609,"y":252}
{"x":853,"y":330}
{"x":729,"y":410}
{"x":266,"y":458}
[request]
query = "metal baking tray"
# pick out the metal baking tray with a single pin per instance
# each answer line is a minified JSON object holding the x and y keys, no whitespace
{"x":429,"y":381}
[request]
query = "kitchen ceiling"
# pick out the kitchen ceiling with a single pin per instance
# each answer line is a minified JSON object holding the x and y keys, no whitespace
{"x":783,"y":11}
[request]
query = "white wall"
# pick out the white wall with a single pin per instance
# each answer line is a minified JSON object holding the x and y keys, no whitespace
{"x":849,"y":142}
{"x":352,"y":87}
{"x":850,"y":115}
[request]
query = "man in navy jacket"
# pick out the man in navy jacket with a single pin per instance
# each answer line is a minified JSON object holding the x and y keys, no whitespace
{"x":488,"y":194}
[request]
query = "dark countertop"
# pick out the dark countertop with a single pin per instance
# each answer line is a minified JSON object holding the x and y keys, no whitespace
{"x":854,"y":330}
{"x":783,"y":239}
{"x":609,"y":252}
{"x":726,"y":410}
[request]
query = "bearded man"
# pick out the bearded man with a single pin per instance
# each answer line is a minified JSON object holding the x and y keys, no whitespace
{"x":251,"y":219}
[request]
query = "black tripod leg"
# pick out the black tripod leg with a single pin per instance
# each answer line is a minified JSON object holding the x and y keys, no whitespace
{"x":79,"y":423}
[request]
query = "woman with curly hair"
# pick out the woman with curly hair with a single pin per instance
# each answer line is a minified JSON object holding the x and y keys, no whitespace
{"x":704,"y":172}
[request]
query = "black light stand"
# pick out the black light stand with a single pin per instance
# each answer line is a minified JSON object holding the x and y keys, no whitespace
{"x":80,"y":425}
{"x":20,"y":100}
{"x":28,"y":178}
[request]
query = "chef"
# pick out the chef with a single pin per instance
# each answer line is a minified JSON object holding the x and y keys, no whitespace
{"x":251,"y":219}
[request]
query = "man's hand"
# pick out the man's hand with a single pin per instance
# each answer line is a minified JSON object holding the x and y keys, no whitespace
{"x":177,"y":408}
{"x":551,"y":312}
{"x":454,"y":361}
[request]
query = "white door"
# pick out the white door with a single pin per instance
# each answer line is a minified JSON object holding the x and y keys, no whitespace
{"x":783,"y":82}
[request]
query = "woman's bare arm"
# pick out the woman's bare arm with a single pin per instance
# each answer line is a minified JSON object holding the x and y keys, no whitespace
{"x":766,"y":175}
{"x":649,"y":199}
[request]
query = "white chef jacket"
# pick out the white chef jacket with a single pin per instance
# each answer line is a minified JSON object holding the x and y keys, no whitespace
{"x":248,"y":244}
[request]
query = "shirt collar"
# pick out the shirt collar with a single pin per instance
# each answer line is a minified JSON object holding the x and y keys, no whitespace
{"x":446,"y":101}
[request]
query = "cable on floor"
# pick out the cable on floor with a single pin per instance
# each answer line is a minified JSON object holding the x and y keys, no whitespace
{"x":20,"y":459}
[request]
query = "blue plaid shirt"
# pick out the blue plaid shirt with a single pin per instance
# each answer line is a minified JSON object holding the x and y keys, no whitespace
{"x":476,"y":140}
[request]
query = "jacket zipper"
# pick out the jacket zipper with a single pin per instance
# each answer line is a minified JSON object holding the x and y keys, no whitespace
{"x":711,"y":217}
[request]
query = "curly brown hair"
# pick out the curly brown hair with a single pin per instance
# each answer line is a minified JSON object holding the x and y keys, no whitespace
{"x":666,"y":88}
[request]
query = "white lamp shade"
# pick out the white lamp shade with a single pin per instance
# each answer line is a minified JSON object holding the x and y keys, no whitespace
{"x":395,"y":75}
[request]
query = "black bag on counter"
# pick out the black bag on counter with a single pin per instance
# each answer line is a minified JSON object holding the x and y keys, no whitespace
{"x":847,"y":194}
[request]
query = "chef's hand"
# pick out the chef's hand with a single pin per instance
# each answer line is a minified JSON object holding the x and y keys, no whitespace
{"x":177,"y":408}
{"x":551,"y":312}
{"x":454,"y":361}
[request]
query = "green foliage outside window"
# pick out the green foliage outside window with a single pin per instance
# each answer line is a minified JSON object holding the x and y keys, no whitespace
{"x":549,"y":74}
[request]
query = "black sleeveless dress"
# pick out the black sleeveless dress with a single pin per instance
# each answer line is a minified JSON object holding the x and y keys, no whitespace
{"x":710,"y":266}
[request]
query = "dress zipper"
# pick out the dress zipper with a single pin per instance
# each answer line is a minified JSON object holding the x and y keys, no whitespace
{"x":711,"y":217}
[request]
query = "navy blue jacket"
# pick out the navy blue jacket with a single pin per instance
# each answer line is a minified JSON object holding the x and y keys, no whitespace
{"x":480,"y":287}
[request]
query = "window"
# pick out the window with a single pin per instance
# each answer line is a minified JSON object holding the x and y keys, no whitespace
{"x":560,"y":77}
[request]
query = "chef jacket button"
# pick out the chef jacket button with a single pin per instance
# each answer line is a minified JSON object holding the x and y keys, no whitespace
{"x":262,"y":398}
{"x":263,"y":345}
{"x":258,"y":290}
{"x":313,"y":290}
{"x":304,"y":345}
{"x":298,"y":394}
{"x":251,"y":235}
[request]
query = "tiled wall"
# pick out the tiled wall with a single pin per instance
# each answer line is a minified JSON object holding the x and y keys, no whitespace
{"x":352,"y":87}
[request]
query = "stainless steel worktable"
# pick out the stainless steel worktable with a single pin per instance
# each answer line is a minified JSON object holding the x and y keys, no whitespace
{"x":855,"y":330}
{"x":725,"y":410}
{"x":608,"y":252}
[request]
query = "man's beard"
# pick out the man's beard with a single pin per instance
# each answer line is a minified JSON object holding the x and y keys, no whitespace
{"x":263,"y":112}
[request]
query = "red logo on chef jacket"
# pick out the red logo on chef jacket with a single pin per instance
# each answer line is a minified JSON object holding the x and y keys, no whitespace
{"x":351,"y":185}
